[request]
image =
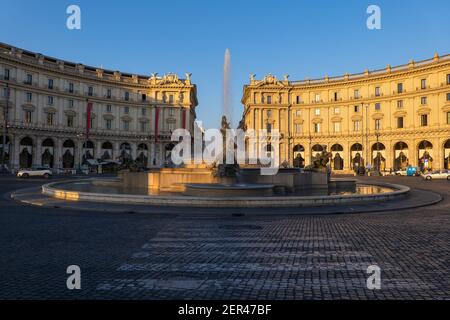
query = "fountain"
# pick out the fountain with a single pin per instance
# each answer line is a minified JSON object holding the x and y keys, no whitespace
{"x":226,"y":183}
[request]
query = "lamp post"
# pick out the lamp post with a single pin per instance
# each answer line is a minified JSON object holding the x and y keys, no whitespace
{"x":5,"y":129}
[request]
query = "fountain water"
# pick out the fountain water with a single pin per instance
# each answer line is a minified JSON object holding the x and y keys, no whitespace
{"x":227,"y":104}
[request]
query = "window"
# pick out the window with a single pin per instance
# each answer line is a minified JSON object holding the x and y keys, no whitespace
{"x":377,"y":124}
{"x":357,"y":108}
{"x":144,"y":97}
{"x":448,"y":117}
{"x":377,"y":91}
{"x":377,"y":106}
{"x":50,"y":83}
{"x":49,"y":119}
{"x":423,"y":84}
{"x":448,"y":79}
{"x":108,"y":94}
{"x":28,"y":116}
{"x":108,"y":124}
{"x":171,"y":112}
{"x":298,"y":128}
{"x":317,"y":112}
{"x":29,"y":96}
{"x":423,"y":100}
{"x":400,"y":88}
{"x":269,"y":99}
{"x":269,"y":113}
{"x":71,"y":104}
{"x":400,"y":104}
{"x":70,"y":121}
{"x":317,"y":98}
{"x":144,"y":126}
{"x":6,"y":93}
{"x":336,"y":96}
{"x":143,"y":111}
{"x":400,"y":122}
{"x":356,"y":94}
{"x":70,"y":87}
{"x":127,"y":96}
{"x":298,"y":100}
{"x":316,"y":127}
{"x":126,"y":125}
{"x":6,"y":75}
{"x":171,"y":98}
{"x":337,"y":110}
{"x":90,"y":91}
{"x":448,"y":96}
{"x":337,"y":127}
{"x":126,"y":110}
{"x":29,"y":79}
{"x":356,"y":125}
{"x":108,"y":108}
{"x":50,"y":100}
{"x":269,"y":128}
{"x":424,"y":120}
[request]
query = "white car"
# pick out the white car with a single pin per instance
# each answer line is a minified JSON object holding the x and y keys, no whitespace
{"x":401,"y":173}
{"x":35,"y":172}
{"x":445,"y":174}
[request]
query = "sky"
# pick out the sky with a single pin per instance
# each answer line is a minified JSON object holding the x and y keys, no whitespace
{"x":305,"y":39}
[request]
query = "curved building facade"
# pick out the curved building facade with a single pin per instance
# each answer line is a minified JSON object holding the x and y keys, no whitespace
{"x":386,"y":119}
{"x":60,"y":114}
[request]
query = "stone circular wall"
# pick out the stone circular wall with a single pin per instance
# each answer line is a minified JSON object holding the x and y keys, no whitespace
{"x":57,"y":191}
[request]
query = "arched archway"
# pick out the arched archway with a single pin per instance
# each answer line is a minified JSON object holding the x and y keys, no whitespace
{"x":356,"y":158}
{"x":447,"y":154}
{"x":168,"y":151}
{"x":401,"y":156}
{"x":299,"y":156}
{"x":425,"y":155}
{"x":47,"y":157}
{"x":26,"y":153}
{"x":68,"y":157}
{"x":107,"y":150}
{"x":337,"y":160}
{"x":379,"y":156}
{"x":125,"y":153}
{"x":142,"y":157}
{"x":6,"y":149}
{"x":88,"y":152}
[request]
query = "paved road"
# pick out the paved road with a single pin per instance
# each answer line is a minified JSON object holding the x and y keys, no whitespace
{"x":184,"y":255}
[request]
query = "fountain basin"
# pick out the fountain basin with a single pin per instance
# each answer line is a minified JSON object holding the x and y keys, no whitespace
{"x":229,"y":190}
{"x":84,"y":190}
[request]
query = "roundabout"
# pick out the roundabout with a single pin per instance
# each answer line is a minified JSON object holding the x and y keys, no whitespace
{"x":390,"y":197}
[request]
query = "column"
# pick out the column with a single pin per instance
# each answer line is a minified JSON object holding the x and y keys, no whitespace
{"x":38,"y":150}
{"x":389,"y":154}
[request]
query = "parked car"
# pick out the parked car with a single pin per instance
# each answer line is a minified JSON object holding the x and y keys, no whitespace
{"x":401,"y":173}
{"x":35,"y":172}
{"x":444,"y":174}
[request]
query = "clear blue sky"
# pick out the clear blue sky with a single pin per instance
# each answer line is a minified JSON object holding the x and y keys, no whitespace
{"x":306,"y":39}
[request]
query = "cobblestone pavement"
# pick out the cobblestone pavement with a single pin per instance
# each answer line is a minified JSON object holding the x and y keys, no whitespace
{"x":191,"y":256}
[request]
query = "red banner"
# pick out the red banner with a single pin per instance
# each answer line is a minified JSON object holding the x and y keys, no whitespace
{"x":156,"y":123}
{"x":88,"y":119}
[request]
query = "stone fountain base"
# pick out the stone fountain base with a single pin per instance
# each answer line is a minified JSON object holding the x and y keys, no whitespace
{"x":176,"y":180}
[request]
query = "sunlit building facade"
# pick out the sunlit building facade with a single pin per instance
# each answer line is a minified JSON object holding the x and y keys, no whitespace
{"x":383,"y":119}
{"x":60,"y":114}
